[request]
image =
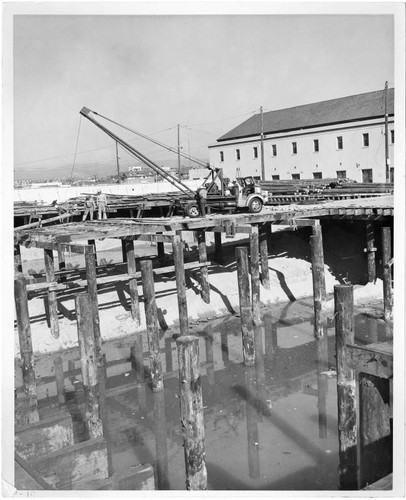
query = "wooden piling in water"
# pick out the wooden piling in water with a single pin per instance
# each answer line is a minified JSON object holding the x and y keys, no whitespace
{"x":52,"y":300}
{"x":254,"y":470}
{"x":132,"y":282}
{"x":218,"y":248}
{"x":255,"y":281}
{"x":177,"y":247}
{"x":370,"y":249}
{"x":91,"y":276}
{"x":24,"y":337}
{"x":93,"y":243}
{"x":18,"y":266}
{"x":263,"y":250}
{"x":137,"y":356}
{"x":60,"y":380}
{"x":161,"y":446}
{"x":204,"y":271}
{"x":346,"y":387}
{"x":375,"y":428}
{"x":155,"y":365}
{"x":191,"y":412}
{"x":247,"y":325}
{"x":89,"y":364}
{"x":387,"y":273}
{"x":322,"y":383}
{"x":319,"y":281}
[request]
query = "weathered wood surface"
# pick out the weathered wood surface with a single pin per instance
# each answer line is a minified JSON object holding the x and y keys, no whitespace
{"x":52,"y":299}
{"x":65,"y":468}
{"x":155,"y":365}
{"x":191,"y":412}
{"x":204,"y":270}
{"x":161,"y":446}
{"x":91,"y":277}
{"x":132,"y":282}
{"x":254,"y":270}
{"x":18,"y":267}
{"x":263,"y":250}
{"x":370,"y":249}
{"x":43,"y":437}
{"x":346,"y":387}
{"x":26,"y":478}
{"x":373,"y":359}
{"x":247,"y":324}
{"x":387,"y":273}
{"x":89,"y":362}
{"x":177,"y":247}
{"x":319,"y":280}
{"x":60,"y":380}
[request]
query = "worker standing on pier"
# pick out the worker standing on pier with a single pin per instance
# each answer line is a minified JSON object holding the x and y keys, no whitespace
{"x":102,"y":205}
{"x":89,"y":207}
{"x":201,"y":197}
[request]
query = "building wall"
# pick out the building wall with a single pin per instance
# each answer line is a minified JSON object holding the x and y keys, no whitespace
{"x":353,"y":158}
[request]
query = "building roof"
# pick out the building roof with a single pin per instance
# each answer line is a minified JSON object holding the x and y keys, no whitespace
{"x":344,"y":109}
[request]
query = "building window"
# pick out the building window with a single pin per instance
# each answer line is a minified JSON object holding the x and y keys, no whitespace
{"x":275,"y":177}
{"x":255,"y":151}
{"x":365,"y":140}
{"x":294,"y":148}
{"x":237,"y":152}
{"x":367,"y":175}
{"x":221,"y":155}
{"x":340,"y":142}
{"x":315,"y":145}
{"x":317,"y":175}
{"x":274,"y":150}
{"x":392,"y":137}
{"x":341,"y":174}
{"x":295,"y":176}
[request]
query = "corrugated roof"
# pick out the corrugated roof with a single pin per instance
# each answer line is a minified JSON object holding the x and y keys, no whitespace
{"x":344,"y":109}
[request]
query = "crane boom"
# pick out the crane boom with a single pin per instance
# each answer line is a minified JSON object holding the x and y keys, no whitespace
{"x":137,"y":154}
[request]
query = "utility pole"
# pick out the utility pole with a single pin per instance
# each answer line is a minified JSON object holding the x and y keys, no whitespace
{"x":387,"y":171}
{"x":262,"y":144}
{"x":118,"y":164}
{"x":180,"y":175}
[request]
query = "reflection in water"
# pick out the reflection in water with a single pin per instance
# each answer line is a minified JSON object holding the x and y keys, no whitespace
{"x":290,"y":443}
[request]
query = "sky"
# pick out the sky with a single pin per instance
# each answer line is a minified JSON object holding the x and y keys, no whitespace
{"x":207,"y":73}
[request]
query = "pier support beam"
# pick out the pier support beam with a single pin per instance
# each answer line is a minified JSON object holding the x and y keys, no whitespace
{"x":204,"y":272}
{"x":152,"y":325}
{"x":52,"y":302}
{"x":93,"y":244}
{"x":89,"y":364}
{"x":319,"y":281}
{"x":91,"y":276}
{"x":370,"y":249}
{"x":387,"y":273}
{"x":346,"y":387}
{"x":247,"y":325}
{"x":218,"y":249}
{"x":18,"y":266}
{"x":177,"y":246}
{"x":263,"y":250}
{"x":132,"y":282}
{"x":60,"y":380}
{"x":191,"y":412}
{"x":254,"y":268}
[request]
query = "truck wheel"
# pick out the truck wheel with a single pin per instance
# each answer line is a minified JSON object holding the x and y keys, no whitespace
{"x":192,"y":210}
{"x":255,"y":205}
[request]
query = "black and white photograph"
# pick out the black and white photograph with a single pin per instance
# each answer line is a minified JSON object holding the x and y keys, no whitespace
{"x":203,"y":233}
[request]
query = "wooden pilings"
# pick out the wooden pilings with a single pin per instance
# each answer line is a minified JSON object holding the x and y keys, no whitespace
{"x":218,"y":249}
{"x":161,"y":447}
{"x":387,"y":273}
{"x":18,"y":267}
{"x":319,"y":281}
{"x":191,"y":412}
{"x":370,"y":249}
{"x":322,"y":383}
{"x":254,"y":268}
{"x":52,"y":300}
{"x":346,"y":387}
{"x":254,"y":470}
{"x":93,"y":244}
{"x":128,"y":248}
{"x":60,"y":380}
{"x":263,"y":250}
{"x":177,"y":247}
{"x":91,"y":276}
{"x":204,"y":272}
{"x":61,"y":259}
{"x":247,"y":325}
{"x":89,"y":362}
{"x":24,"y":337}
{"x":152,"y":325}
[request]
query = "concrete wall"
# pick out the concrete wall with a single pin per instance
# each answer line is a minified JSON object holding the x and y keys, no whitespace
{"x":353,"y":158}
{"x":48,"y":195}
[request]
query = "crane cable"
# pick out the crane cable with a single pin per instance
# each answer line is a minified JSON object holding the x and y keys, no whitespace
{"x":76,"y":149}
{"x":191,"y":158}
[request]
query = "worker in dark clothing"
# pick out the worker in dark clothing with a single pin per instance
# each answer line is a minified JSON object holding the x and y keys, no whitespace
{"x":201,"y":198}
{"x":89,"y":207}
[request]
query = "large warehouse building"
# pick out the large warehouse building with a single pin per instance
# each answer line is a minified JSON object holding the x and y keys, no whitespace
{"x":342,"y":137}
